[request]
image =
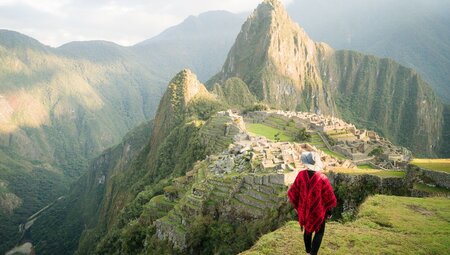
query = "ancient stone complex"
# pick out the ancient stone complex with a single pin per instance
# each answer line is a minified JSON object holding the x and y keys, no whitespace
{"x":359,"y":145}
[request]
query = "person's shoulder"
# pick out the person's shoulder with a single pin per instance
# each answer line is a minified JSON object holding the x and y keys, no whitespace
{"x":322,"y":176}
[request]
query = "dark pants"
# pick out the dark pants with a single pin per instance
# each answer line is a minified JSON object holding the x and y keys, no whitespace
{"x":313,"y":247}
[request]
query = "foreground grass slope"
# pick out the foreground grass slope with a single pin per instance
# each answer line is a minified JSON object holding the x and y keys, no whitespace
{"x":384,"y":225}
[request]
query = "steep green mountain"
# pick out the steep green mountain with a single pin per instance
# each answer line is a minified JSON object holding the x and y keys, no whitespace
{"x":60,"y":107}
{"x":58,"y":111}
{"x":382,"y":95}
{"x":180,"y":136}
{"x":414,"y":33}
{"x":235,"y":93}
{"x":284,"y":68}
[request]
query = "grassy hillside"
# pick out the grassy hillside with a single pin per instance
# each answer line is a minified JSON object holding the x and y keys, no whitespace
{"x":384,"y":225}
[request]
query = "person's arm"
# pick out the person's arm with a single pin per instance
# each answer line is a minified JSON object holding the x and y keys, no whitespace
{"x":293,"y":193}
{"x":328,"y":197}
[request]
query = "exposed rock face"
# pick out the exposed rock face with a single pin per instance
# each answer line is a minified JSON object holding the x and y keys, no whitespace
{"x":352,"y":190}
{"x":9,"y":202}
{"x":278,"y":61}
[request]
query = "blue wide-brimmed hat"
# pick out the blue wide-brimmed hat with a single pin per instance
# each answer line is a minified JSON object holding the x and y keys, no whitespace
{"x":312,"y":160}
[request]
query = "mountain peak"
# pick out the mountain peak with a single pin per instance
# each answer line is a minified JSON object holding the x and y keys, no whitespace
{"x":186,"y":86}
{"x":277,"y":60}
{"x":183,"y":89}
{"x":273,"y":3}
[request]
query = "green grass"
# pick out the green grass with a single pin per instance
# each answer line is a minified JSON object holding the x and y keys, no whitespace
{"x":268,"y":132}
{"x":316,"y":140}
{"x":384,"y":225}
{"x":438,"y":191}
{"x":433,"y":164}
{"x":331,"y":153}
{"x":366,"y":166}
{"x":319,"y":144}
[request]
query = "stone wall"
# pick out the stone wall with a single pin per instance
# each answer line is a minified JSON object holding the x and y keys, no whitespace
{"x":166,"y":230}
{"x":441,"y":179}
{"x":352,"y":190}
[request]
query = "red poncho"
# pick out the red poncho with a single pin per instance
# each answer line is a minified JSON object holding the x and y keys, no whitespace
{"x":312,"y":197}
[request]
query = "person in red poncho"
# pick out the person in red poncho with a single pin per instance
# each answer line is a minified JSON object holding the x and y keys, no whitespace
{"x":313,"y":197}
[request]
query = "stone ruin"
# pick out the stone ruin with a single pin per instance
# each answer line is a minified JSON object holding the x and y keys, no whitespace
{"x":355,"y":144}
{"x":257,"y":154}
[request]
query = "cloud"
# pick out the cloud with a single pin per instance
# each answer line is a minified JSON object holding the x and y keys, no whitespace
{"x":124,"y":22}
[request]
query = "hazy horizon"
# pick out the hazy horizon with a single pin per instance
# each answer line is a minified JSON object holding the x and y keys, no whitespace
{"x":55,"y":24}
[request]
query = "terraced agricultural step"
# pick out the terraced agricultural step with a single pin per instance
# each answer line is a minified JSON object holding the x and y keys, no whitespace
{"x":221,"y":183}
{"x":190,"y":208}
{"x":174,"y":218}
{"x":268,"y":190}
{"x":246,"y":208}
{"x":219,"y":194}
{"x":246,"y":199}
{"x":194,"y":200}
{"x":259,"y":195}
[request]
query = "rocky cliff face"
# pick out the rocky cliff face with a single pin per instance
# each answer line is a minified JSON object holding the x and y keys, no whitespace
{"x":278,"y":61}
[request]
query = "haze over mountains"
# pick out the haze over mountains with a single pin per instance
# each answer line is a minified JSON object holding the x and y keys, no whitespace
{"x":62,"y":107}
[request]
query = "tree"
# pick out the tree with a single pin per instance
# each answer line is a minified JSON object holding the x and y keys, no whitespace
{"x":277,"y":137}
{"x":301,"y":135}
{"x":376,"y":152}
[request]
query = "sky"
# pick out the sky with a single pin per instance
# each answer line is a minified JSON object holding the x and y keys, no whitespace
{"x":126,"y":22}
